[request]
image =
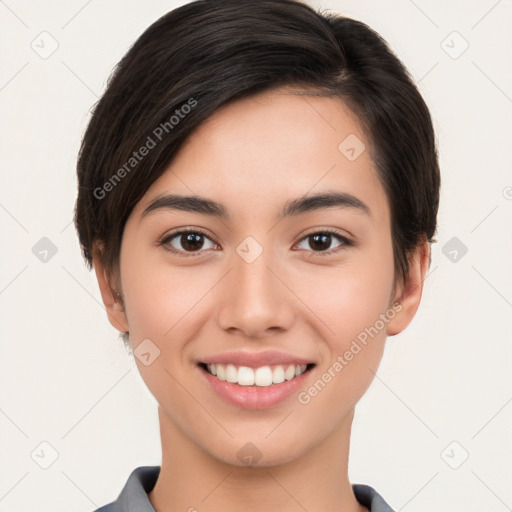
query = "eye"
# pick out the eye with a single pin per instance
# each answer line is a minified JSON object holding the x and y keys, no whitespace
{"x":191,"y":242}
{"x":321,"y":240}
{"x":187,"y":241}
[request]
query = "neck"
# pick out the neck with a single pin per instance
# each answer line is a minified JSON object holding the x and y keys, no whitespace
{"x":191,"y":479}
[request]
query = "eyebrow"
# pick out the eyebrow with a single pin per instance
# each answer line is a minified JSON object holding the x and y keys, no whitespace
{"x":298,"y":206}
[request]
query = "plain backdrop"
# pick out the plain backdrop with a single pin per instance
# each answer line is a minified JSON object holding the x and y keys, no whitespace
{"x":433,"y":431}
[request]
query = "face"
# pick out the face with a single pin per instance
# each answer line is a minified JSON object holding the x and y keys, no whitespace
{"x":250,"y":287}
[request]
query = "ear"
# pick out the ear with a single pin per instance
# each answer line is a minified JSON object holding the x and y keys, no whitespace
{"x":113,"y":303}
{"x":409,"y":293}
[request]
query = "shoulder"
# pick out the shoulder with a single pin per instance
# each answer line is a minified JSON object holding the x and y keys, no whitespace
{"x":370,"y":498}
{"x":107,"y":508}
{"x":133,"y":496}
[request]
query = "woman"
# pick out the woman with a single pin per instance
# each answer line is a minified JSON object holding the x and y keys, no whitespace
{"x":258,"y":192}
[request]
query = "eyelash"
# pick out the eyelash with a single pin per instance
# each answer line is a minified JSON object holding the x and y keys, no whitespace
{"x":346,"y":242}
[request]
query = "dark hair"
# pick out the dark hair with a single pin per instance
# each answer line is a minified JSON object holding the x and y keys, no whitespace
{"x":204,"y":54}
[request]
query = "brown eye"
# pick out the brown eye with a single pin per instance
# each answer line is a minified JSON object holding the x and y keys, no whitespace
{"x":187,"y":241}
{"x":191,"y":241}
{"x":321,"y":242}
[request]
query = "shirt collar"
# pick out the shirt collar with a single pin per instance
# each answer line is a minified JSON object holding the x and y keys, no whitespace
{"x":134,"y":496}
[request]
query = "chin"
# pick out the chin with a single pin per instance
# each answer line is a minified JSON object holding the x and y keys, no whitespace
{"x":258,"y":453}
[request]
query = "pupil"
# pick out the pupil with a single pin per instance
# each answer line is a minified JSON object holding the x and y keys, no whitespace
{"x":192,"y":240}
{"x":323,"y":238}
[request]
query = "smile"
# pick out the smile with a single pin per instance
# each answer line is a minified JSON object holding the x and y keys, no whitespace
{"x":260,"y":376}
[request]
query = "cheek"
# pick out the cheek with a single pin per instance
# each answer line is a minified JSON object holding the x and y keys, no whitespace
{"x":161,"y":299}
{"x":349,"y":298}
{"x":350,"y":301}
{"x":354,"y":345}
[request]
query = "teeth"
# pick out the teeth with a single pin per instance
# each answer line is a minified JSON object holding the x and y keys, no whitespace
{"x":231,"y":373}
{"x":262,"y":376}
{"x":289,"y":373}
{"x":245,"y":376}
{"x":221,"y":372}
{"x":278,"y":375}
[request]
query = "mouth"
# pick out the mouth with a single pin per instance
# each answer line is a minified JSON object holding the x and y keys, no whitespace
{"x":259,"y":387}
{"x":261,"y":376}
{"x":255,"y":380}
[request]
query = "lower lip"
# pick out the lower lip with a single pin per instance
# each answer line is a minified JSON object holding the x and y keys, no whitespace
{"x":255,"y":397}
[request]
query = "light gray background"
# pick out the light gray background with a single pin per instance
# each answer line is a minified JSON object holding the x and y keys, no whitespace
{"x":65,"y":377}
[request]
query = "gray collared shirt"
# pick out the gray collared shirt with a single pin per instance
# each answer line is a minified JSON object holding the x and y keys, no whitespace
{"x":134,"y":496}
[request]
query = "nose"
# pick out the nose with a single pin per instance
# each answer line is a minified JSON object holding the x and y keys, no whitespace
{"x":255,"y":301}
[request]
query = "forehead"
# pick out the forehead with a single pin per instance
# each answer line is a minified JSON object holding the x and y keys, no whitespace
{"x":256,"y":153}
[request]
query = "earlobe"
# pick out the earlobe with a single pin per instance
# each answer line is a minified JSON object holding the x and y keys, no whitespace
{"x":110,"y":297}
{"x":409,"y":294}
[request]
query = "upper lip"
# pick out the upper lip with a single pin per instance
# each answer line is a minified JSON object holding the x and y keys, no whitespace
{"x":256,"y":359}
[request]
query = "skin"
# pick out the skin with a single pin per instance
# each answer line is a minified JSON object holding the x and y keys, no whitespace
{"x":252,"y":156}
